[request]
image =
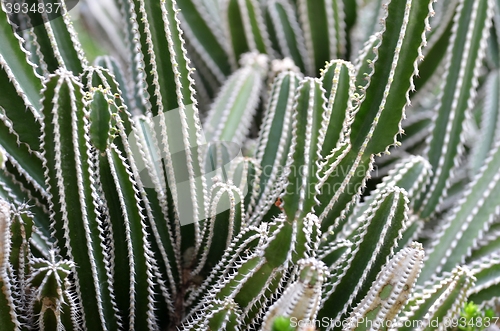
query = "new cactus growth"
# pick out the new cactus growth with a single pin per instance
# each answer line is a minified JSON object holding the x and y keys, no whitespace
{"x":390,"y":291}
{"x":250,"y":165}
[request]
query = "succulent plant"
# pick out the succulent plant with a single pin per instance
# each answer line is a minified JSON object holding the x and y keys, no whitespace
{"x":276,"y":182}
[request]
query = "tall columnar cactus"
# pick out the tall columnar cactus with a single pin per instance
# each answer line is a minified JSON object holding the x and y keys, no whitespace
{"x":214,"y":172}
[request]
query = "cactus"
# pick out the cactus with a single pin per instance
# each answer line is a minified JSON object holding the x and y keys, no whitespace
{"x":249,"y":164}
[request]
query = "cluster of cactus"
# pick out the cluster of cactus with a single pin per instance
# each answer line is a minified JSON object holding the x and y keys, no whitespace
{"x":139,"y":193}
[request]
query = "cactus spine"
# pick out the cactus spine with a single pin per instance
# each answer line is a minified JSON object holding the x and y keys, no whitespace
{"x":233,"y":164}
